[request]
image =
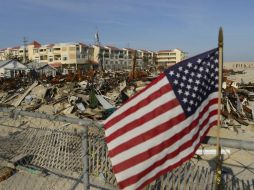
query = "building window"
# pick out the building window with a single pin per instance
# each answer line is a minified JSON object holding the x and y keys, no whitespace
{"x":64,"y":58}
{"x":57,"y":57}
{"x":44,"y":57}
{"x":57,"y":49}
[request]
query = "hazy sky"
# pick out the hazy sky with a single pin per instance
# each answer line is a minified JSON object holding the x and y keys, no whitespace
{"x":191,"y":25}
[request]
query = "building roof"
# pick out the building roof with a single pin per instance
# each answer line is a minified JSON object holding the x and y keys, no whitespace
{"x":129,"y":49}
{"x":2,"y":63}
{"x":82,"y":44}
{"x":145,"y":51}
{"x":102,"y":47}
{"x":112,"y":48}
{"x":56,"y":64}
{"x":37,"y":65}
{"x":36,"y":44}
{"x":15,"y":65}
{"x":161,"y":51}
{"x":50,"y":45}
{"x":16,"y":47}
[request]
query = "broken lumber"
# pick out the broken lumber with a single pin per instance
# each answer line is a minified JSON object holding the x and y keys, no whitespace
{"x":16,"y":104}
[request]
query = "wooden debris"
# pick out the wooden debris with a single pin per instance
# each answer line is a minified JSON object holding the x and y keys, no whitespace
{"x":5,"y":173}
{"x":16,"y":104}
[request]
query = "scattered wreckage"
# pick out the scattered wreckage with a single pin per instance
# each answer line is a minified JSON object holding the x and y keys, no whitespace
{"x":95,"y":95}
{"x":98,"y":94}
{"x":238,"y":107}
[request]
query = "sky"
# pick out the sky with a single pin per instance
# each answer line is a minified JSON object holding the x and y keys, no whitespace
{"x":190,"y":25}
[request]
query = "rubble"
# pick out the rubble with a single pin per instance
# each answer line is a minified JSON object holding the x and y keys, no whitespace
{"x":238,"y":108}
{"x":97,"y":94}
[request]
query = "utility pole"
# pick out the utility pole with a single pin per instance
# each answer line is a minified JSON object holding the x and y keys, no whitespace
{"x":24,"y":50}
{"x":100,"y":55}
{"x":97,"y":39}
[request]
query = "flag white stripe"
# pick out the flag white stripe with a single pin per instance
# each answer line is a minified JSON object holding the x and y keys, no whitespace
{"x":142,"y":111}
{"x":147,"y":163}
{"x":140,"y":97}
{"x":172,"y":161}
{"x":144,"y":128}
{"x":142,"y":147}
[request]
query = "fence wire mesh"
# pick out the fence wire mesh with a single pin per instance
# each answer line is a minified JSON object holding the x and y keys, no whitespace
{"x":47,"y":154}
{"x":44,"y":154}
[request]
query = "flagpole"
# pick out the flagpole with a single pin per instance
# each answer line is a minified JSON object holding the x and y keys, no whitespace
{"x":218,"y":167}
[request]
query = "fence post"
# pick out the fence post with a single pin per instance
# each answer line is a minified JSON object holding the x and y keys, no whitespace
{"x":85,"y":159}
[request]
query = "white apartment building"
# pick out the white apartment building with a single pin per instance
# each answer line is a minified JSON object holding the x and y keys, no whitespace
{"x":113,"y":58}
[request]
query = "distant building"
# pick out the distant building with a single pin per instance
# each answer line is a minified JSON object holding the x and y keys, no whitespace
{"x":110,"y":57}
{"x":113,"y":58}
{"x":65,"y":54}
{"x":11,"y":68}
{"x":238,"y":65}
{"x":42,"y":68}
{"x":168,"y":58}
{"x":72,"y":56}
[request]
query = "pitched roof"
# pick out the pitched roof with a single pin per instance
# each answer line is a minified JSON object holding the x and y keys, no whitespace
{"x":50,"y":45}
{"x":56,"y":64}
{"x":112,"y":48}
{"x":38,"y":65}
{"x":2,"y":63}
{"x":36,"y":44}
{"x":129,"y":49}
{"x":82,"y":44}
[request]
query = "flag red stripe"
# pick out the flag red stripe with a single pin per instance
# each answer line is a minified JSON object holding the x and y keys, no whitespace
{"x":160,"y":147}
{"x":147,"y":117}
{"x":134,"y":178}
{"x":180,"y":162}
{"x":164,"y":89}
{"x":147,"y":135}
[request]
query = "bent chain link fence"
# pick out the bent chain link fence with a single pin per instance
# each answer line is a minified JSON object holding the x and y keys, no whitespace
{"x":44,"y":152}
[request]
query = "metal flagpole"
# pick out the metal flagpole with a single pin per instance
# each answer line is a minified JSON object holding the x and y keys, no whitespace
{"x":218,"y":166}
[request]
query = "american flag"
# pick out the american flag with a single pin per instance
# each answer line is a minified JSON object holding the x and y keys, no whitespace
{"x":163,"y":125}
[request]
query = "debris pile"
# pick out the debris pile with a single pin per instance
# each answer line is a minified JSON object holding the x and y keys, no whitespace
{"x":95,"y":95}
{"x":238,"y":108}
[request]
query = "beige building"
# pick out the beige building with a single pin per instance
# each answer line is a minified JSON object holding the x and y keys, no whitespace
{"x":243,"y":65}
{"x":170,"y":57}
{"x":64,"y":54}
{"x":78,"y":55}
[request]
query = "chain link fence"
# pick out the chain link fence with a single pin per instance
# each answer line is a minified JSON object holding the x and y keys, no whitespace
{"x":44,"y":153}
{"x":47,"y":152}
